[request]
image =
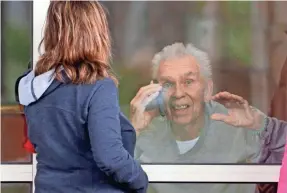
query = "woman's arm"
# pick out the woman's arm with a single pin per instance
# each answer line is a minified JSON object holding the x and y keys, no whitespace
{"x":106,"y":141}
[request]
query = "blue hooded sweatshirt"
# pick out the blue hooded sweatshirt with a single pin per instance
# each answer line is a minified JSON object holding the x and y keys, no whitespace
{"x":84,"y":143}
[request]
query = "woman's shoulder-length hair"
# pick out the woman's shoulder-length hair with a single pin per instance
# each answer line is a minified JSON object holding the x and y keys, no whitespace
{"x":76,"y":39}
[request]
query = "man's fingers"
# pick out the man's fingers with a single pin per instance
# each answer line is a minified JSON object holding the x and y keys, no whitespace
{"x":221,"y":97}
{"x":248,"y":110}
{"x":229,"y":96}
{"x":221,"y":117}
{"x":148,"y":99}
{"x":146,"y":90}
{"x":237,"y":98}
{"x":147,"y":93}
{"x":138,"y":104}
{"x":224,"y":97}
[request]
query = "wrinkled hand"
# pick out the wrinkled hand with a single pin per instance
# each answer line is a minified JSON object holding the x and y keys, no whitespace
{"x":240,"y":114}
{"x":140,"y":118}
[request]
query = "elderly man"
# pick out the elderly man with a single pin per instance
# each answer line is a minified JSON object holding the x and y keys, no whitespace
{"x":195,"y":127}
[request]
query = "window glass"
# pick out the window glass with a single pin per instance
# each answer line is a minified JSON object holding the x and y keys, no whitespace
{"x":242,"y":62}
{"x":16,"y":187}
{"x":16,"y":50}
{"x":12,"y":132}
{"x":16,"y":46}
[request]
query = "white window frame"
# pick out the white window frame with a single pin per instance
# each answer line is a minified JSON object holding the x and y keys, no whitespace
{"x":156,"y":172}
{"x":170,"y":173}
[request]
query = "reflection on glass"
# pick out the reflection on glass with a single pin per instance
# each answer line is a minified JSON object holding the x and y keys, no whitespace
{"x":206,"y":187}
{"x":16,"y":187}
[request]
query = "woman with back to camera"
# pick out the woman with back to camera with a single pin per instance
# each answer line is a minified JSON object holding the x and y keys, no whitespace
{"x":84,"y":143}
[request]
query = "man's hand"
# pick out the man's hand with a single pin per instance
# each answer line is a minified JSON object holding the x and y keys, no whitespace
{"x":140,"y":118}
{"x":240,"y":114}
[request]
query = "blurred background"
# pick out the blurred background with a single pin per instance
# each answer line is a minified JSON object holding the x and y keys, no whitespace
{"x":245,"y":41}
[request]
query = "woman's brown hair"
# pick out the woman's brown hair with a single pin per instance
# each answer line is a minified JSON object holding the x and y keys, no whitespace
{"x":77,"y":38}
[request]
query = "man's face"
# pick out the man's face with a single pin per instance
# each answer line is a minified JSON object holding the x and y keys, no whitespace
{"x":184,"y":89}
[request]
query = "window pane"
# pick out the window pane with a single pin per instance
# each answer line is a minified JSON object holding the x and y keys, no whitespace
{"x":12,"y":132}
{"x":210,"y":187}
{"x":16,"y":52}
{"x":16,"y":45}
{"x":16,"y":187}
{"x":242,"y":57}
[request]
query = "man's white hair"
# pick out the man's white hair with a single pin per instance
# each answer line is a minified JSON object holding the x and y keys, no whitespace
{"x":179,"y":50}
